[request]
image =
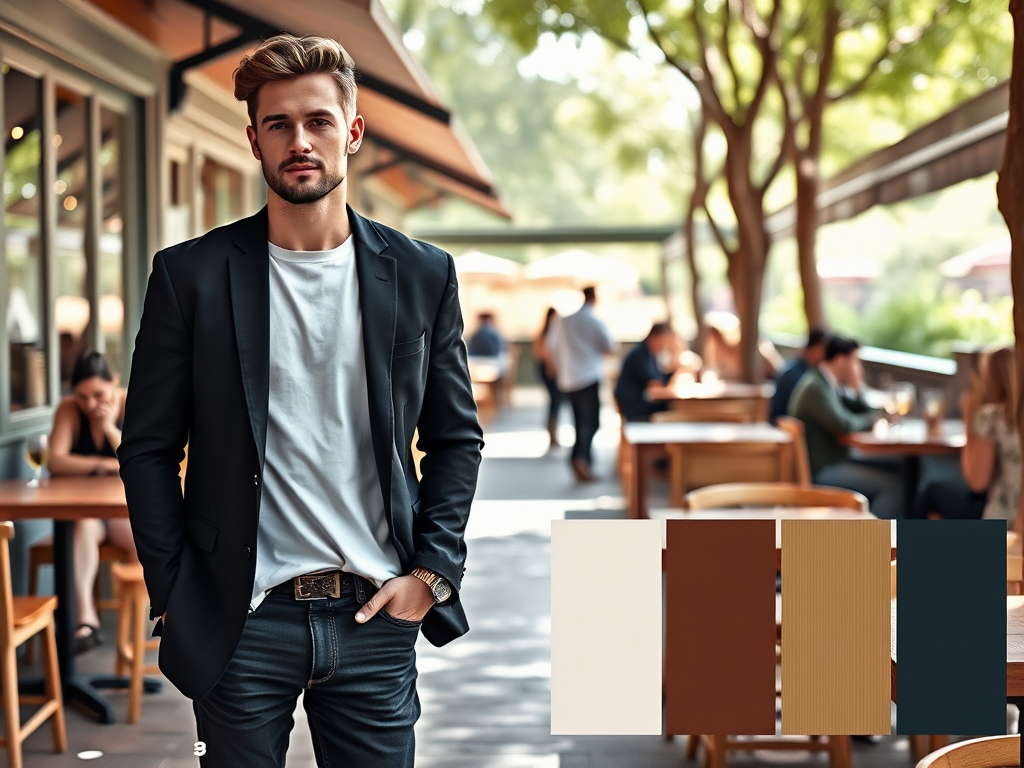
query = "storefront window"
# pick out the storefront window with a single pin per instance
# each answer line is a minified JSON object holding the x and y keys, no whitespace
{"x":23,"y":248}
{"x":71,"y":195}
{"x":111,"y":250}
{"x":221,"y":195}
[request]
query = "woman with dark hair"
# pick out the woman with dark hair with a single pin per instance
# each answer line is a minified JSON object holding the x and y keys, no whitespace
{"x":84,"y":440}
{"x":546,"y":367}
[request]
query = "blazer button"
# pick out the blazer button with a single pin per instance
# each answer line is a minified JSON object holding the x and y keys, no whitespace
{"x":248,"y":552}
{"x":255,"y":479}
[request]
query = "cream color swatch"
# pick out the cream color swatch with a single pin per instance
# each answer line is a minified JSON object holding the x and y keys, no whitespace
{"x":606,"y":627}
{"x":835,"y":627}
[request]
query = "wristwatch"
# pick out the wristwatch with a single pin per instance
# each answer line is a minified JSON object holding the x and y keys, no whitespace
{"x":439,"y":586}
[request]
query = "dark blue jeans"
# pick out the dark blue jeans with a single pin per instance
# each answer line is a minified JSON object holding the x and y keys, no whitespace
{"x":586,"y":411}
{"x":359,"y":684}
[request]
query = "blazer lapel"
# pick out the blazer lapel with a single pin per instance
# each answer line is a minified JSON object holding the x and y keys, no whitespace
{"x":377,"y":275}
{"x":249,"y":281}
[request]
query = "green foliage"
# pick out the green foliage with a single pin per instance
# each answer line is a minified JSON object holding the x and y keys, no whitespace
{"x":918,"y":321}
{"x":597,"y":145}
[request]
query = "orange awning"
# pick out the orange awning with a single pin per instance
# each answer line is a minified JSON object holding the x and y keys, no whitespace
{"x":402,"y":110}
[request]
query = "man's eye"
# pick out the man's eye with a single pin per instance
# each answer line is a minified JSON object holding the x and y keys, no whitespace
{"x":320,"y":123}
{"x":277,"y":125}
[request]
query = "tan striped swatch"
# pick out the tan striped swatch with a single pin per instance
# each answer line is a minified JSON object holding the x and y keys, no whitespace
{"x":606,"y":627}
{"x":835,"y":627}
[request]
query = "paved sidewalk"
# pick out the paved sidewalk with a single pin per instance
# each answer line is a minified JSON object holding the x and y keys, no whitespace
{"x":486,"y":696}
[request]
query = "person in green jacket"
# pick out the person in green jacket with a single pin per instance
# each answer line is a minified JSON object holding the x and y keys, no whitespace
{"x":828,"y":401}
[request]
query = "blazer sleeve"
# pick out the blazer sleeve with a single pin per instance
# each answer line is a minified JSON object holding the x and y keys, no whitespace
{"x":451,"y":439}
{"x":155,"y":433}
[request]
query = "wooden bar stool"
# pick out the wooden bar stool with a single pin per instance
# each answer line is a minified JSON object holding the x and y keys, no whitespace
{"x":20,"y":619}
{"x":41,"y":553}
{"x":132,"y":623}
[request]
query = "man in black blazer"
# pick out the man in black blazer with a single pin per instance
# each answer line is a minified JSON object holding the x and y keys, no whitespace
{"x":295,"y":352}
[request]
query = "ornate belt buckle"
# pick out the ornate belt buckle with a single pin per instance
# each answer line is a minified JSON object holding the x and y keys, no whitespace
{"x":318,"y":586}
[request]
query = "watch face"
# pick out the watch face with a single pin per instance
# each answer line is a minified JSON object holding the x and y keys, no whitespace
{"x":441,"y":591}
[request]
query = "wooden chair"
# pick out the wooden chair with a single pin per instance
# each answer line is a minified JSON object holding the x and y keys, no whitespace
{"x":132,"y":643}
{"x":773,"y":495}
{"x":755,"y":462}
{"x":795,"y":429}
{"x":987,"y":752}
{"x":20,"y":619}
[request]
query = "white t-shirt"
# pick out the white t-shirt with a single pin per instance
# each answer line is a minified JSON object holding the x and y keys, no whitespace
{"x":322,"y":506}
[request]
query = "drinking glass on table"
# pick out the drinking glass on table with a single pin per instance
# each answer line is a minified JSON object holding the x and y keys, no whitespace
{"x":37,"y":453}
{"x":933,"y":407}
{"x":901,"y":400}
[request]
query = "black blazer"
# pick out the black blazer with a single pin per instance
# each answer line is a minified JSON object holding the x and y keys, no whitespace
{"x":200,"y":373}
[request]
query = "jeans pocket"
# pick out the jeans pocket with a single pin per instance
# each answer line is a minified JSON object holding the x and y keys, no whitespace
{"x":403,"y":623}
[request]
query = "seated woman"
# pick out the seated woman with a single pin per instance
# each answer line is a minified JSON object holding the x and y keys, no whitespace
{"x":85,"y":437}
{"x":990,"y":462}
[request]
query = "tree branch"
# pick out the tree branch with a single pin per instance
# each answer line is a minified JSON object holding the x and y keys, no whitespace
{"x":709,"y":97}
{"x":769,"y":56}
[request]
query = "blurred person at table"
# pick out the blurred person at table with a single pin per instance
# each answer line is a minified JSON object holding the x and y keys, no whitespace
{"x":829,"y":401}
{"x":84,"y":441}
{"x":991,"y":458}
{"x":296,"y":351}
{"x":723,"y":351}
{"x":546,"y":369}
{"x":486,"y":340}
{"x":577,"y":343}
{"x":649,"y":364}
{"x":810,"y":357}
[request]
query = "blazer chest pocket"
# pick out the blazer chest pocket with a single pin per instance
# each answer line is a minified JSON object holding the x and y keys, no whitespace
{"x":407,"y":348}
{"x":202,"y":533}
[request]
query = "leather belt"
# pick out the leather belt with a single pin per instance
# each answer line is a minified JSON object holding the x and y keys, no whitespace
{"x":327,"y":584}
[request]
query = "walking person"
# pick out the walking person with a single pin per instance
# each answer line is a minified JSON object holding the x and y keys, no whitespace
{"x":546,"y":369}
{"x":296,"y":351}
{"x":577,"y":344}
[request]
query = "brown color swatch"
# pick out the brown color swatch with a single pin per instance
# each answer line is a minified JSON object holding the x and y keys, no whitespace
{"x":835,"y":627}
{"x":720,"y":625}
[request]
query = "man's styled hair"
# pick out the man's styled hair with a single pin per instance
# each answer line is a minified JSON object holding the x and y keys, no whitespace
{"x":285,"y":56}
{"x":839,"y":346}
{"x":589,"y":293}
{"x":816,"y":336}
{"x":659,"y":329}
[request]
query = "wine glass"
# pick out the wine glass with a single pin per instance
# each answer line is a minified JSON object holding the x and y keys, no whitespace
{"x":902,"y":395}
{"x":37,"y":453}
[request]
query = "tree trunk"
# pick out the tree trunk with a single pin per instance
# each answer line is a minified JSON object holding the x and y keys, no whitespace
{"x":806,"y":239}
{"x":1011,"y":204}
{"x":747,"y":262}
{"x":691,"y":258}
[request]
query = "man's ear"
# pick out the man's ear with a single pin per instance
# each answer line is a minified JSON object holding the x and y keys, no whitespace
{"x":250,"y":134}
{"x":355,"y":134}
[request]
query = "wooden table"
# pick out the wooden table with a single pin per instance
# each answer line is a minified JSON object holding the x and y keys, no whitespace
{"x":687,"y":395}
{"x":719,"y":390}
{"x":1014,"y":647}
{"x":644,"y":440}
{"x":66,"y":500}
{"x":778,"y":514}
{"x":909,"y":440}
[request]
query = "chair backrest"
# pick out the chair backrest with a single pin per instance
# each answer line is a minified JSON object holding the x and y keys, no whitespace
{"x":988,"y":752}
{"x":773,"y":495}
{"x":747,"y":410}
{"x":6,"y":595}
{"x":892,"y":580}
{"x":795,"y":429}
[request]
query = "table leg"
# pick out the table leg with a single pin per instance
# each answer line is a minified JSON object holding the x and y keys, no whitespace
{"x":911,"y":477}
{"x":637,"y":479}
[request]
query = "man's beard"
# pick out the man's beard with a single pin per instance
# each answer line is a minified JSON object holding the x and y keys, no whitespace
{"x":302,"y":192}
